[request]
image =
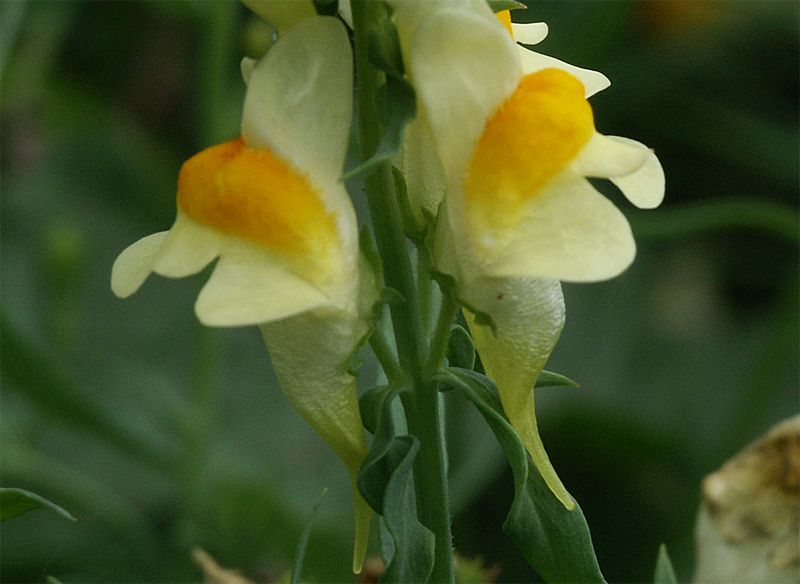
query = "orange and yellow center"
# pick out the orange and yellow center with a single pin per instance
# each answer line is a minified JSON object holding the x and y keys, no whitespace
{"x":534,"y":134}
{"x":254,"y":195}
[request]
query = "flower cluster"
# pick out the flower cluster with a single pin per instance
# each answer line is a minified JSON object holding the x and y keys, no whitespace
{"x":499,"y":154}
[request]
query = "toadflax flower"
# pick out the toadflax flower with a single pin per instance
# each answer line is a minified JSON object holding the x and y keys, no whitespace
{"x":270,"y":206}
{"x":516,"y":144}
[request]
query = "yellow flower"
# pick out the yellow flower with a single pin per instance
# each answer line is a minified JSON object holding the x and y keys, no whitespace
{"x":271,"y":207}
{"x":515,"y":143}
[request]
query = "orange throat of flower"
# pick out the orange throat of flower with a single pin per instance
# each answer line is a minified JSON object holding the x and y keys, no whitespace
{"x":529,"y":140}
{"x":254,"y":195}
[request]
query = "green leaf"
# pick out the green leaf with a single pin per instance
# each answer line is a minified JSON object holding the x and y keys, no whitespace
{"x":555,"y":541}
{"x":460,"y":348}
{"x":384,"y":44}
{"x":386,"y":483}
{"x":370,"y":404}
{"x":397,"y":104}
{"x":550,"y":379}
{"x":416,"y":231}
{"x":15,"y":502}
{"x":326,"y":7}
{"x":664,"y":573}
{"x":447,"y":283}
{"x":302,"y":545}
{"x":500,"y":5}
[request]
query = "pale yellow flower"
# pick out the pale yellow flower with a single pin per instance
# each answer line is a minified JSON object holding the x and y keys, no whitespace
{"x":271,"y":209}
{"x":516,"y":143}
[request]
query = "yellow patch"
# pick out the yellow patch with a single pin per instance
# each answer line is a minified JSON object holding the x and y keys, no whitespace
{"x":531,"y":138}
{"x":504,"y":16}
{"x":253,"y":194}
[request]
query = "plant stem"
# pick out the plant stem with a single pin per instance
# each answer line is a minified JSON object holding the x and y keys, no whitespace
{"x":380,"y":346}
{"x":422,"y":405}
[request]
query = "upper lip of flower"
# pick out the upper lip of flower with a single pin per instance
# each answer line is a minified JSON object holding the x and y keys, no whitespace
{"x":295,"y":129}
{"x":567,"y":230}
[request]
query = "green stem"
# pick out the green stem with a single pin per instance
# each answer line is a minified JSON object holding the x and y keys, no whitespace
{"x":441,"y":334}
{"x":424,"y":287}
{"x":386,"y":357}
{"x":220,"y":31}
{"x":422,"y":405}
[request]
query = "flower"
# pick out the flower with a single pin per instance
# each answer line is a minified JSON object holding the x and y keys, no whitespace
{"x":426,"y":182}
{"x":271,"y":207}
{"x":516,"y":144}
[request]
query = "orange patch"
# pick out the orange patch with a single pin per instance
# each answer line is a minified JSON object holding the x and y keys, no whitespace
{"x":253,"y":194}
{"x":529,"y":140}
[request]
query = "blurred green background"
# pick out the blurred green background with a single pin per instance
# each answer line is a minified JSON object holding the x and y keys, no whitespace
{"x":160,"y":435}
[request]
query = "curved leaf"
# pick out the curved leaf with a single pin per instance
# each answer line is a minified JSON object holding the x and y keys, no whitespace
{"x":664,"y":573}
{"x":555,"y":541}
{"x":386,"y":483}
{"x":302,"y":544}
{"x":15,"y":502}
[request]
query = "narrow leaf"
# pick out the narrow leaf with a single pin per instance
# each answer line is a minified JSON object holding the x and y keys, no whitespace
{"x":386,"y":483}
{"x":15,"y":502}
{"x":302,"y":545}
{"x":460,"y":348}
{"x":664,"y":574}
{"x":550,"y":379}
{"x":414,"y":230}
{"x":326,"y":7}
{"x":555,"y":541}
{"x":398,"y":104}
{"x":500,"y":5}
{"x":384,"y":44}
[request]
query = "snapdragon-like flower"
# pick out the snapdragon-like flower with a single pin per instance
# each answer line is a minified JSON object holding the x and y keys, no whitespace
{"x":516,"y":144}
{"x":271,"y":207}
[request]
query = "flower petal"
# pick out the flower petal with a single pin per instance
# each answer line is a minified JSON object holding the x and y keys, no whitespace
{"x":188,"y":248}
{"x":299,"y":99}
{"x":281,"y":14}
{"x":593,"y":81}
{"x":607,"y":156}
{"x":463,"y":66}
{"x":645,"y":186}
{"x":246,"y":67}
{"x":251,"y":286}
{"x":570,"y":232}
{"x":309,"y":353}
{"x":528,"y":315}
{"x":425,"y":181}
{"x":531,"y":33}
{"x":135,"y":263}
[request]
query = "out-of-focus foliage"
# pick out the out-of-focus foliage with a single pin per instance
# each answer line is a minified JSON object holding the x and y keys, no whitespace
{"x":161,"y":436}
